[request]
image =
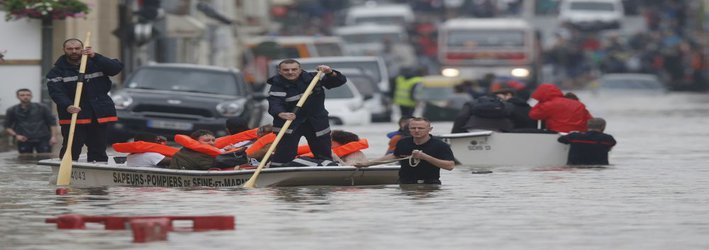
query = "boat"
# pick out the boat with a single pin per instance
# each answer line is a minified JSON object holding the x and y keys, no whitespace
{"x":484,"y":148}
{"x":91,"y":174}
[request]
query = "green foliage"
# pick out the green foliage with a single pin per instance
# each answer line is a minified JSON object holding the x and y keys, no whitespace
{"x":40,"y":9}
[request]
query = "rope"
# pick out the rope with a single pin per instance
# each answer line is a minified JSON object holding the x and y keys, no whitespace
{"x":413,"y":162}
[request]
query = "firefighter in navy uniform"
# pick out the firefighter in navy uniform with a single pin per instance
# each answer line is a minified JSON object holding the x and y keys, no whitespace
{"x":311,"y":120}
{"x":96,"y":108}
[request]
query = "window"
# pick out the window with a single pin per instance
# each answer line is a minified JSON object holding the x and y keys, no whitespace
{"x":188,"y":80}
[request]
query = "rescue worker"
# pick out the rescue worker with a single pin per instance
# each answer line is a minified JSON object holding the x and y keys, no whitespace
{"x":96,"y":108}
{"x":311,"y":120}
{"x":404,"y":88}
{"x":589,"y":148}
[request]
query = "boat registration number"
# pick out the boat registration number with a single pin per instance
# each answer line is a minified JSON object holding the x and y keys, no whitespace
{"x":169,"y":125}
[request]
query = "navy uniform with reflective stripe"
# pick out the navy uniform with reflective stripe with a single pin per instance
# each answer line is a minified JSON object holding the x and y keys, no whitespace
{"x":97,"y":108}
{"x":311,"y":120}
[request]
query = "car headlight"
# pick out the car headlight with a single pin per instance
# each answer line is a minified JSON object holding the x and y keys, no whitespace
{"x":121,"y":100}
{"x":450,"y":72}
{"x":231,"y":108}
{"x":520,"y":72}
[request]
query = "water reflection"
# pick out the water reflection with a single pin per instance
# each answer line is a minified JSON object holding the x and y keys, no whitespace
{"x":420,"y":191}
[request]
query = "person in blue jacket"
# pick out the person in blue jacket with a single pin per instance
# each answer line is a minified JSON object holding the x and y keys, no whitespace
{"x":96,"y":108}
{"x":311,"y":120}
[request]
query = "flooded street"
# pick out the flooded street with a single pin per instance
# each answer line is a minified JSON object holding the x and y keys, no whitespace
{"x":653,"y":196}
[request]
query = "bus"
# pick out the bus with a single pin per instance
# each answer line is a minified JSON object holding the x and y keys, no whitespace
{"x":471,"y":48}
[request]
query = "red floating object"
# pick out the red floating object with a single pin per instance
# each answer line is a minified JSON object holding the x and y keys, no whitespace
{"x":147,"y":230}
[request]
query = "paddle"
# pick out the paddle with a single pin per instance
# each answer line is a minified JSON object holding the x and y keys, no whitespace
{"x":252,"y":181}
{"x":64,"y":175}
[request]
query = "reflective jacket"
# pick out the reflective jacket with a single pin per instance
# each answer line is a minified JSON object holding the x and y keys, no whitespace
{"x":285,"y":94}
{"x":560,"y":114}
{"x":95,"y":102}
{"x":403,"y":95}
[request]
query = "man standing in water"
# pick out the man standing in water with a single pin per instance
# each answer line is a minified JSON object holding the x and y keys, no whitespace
{"x":311,"y":120}
{"x":589,"y":148}
{"x":428,"y":155}
{"x":31,"y":124}
{"x":96,"y":108}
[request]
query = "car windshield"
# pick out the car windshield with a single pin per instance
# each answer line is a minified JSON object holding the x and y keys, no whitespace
{"x":186,"y":79}
{"x":372,"y":37}
{"x":592,"y":6}
{"x":485,"y":38}
{"x":364,"y":84}
{"x":342,"y":92}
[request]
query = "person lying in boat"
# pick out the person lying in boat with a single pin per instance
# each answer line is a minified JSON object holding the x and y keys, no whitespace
{"x":589,"y":148}
{"x":198,"y":151}
{"x":146,"y":150}
{"x":425,"y":155}
{"x":346,"y":150}
{"x":258,"y":148}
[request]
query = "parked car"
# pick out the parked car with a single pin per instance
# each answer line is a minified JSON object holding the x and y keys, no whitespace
{"x":366,"y":68}
{"x":169,"y":99}
{"x":346,"y":105}
{"x":629,"y":82}
{"x":592,"y":14}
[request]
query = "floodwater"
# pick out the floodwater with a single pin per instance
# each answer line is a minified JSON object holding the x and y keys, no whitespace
{"x":653,"y":196}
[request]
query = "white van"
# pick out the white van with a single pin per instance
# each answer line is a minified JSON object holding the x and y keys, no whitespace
{"x":592,"y":14}
{"x":472,"y":47}
{"x":370,"y":40}
{"x":390,"y":14}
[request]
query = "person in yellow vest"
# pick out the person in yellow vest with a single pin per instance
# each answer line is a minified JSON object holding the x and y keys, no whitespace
{"x":404,"y":88}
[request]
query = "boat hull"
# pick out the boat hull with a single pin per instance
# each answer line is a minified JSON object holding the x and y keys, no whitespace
{"x":489,"y":148}
{"x":110,"y":174}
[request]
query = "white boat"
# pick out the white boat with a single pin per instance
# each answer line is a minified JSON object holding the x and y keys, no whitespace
{"x":489,"y":148}
{"x":84,"y":174}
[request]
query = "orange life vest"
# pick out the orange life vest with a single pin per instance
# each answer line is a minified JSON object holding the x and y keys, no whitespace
{"x":144,"y":147}
{"x":190,"y":143}
{"x":260,"y":143}
{"x":227,"y":140}
{"x":342,"y":150}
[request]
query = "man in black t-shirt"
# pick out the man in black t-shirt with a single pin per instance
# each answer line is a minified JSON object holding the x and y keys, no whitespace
{"x":428,"y":155}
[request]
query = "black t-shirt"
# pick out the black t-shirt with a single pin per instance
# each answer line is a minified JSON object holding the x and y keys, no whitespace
{"x":424,"y":170}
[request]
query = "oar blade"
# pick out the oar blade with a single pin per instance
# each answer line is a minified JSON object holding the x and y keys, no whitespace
{"x":64,"y":175}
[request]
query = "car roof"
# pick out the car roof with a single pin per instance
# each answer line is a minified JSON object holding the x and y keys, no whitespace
{"x":486,"y":23}
{"x":190,"y":66}
{"x":368,"y":28}
{"x":380,"y":10}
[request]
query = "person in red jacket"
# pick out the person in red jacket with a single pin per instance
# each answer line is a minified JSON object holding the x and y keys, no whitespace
{"x":560,"y":114}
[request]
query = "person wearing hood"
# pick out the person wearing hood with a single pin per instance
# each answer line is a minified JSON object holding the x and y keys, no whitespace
{"x":560,"y":114}
{"x":96,"y":109}
{"x":520,"y":109}
{"x":311,"y":120}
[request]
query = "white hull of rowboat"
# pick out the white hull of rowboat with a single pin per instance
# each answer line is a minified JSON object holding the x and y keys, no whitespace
{"x":84,"y":174}
{"x":488,"y":148}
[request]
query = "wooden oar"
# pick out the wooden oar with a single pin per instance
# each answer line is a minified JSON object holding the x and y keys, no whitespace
{"x":64,"y":176}
{"x":252,"y":181}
